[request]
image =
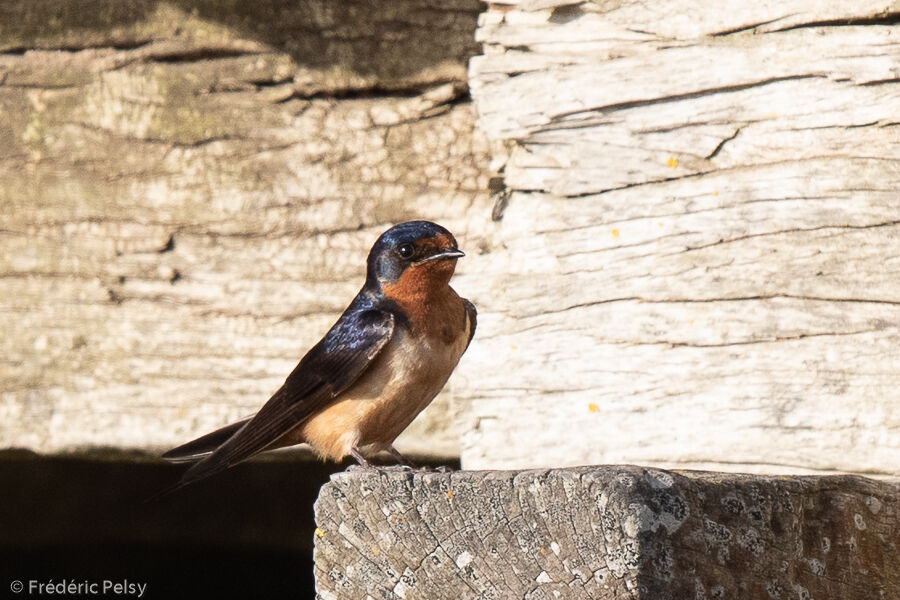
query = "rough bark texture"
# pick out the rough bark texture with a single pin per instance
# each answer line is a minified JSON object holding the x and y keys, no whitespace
{"x":606,"y":532}
{"x":189,"y":192}
{"x":699,"y":217}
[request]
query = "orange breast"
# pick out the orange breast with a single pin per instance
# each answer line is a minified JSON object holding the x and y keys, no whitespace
{"x":400,"y":383}
{"x":428,"y":301}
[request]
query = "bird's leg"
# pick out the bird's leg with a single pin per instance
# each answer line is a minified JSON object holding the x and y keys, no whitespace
{"x":401,"y":460}
{"x":363,"y":463}
{"x":408,"y":464}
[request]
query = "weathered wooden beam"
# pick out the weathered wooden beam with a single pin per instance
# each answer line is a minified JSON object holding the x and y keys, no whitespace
{"x":189,"y":192}
{"x":606,"y":533}
{"x":699,"y":228}
{"x":696,"y":220}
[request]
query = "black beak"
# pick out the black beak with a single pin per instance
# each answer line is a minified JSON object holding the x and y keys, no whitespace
{"x":444,"y":254}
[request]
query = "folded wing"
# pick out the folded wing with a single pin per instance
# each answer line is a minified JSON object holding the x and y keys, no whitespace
{"x":329,"y":368}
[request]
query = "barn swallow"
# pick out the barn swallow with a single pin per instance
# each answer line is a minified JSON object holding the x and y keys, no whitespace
{"x":380,"y":364}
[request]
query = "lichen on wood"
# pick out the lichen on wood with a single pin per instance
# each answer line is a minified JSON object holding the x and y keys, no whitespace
{"x":605,"y":533}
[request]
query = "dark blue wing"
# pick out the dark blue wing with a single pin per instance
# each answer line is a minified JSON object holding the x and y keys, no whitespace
{"x":473,"y":320}
{"x":329,"y":368}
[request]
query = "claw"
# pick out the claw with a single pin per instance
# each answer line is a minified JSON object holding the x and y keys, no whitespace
{"x":356,"y":454}
{"x":402,"y":468}
{"x":399,"y":457}
{"x":438,"y":469}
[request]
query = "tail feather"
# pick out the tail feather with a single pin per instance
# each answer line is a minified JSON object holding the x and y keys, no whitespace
{"x":164,"y":492}
{"x":200,"y":470}
{"x":195,"y":451}
{"x":204,"y":445}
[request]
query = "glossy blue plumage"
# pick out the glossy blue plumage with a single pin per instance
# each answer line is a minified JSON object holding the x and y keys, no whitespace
{"x":382,"y":264}
{"x":340,"y":358}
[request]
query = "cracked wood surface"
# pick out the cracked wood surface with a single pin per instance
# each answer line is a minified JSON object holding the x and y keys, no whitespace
{"x":698,"y":206}
{"x":605,"y":533}
{"x":694,"y":261}
{"x":189,"y":191}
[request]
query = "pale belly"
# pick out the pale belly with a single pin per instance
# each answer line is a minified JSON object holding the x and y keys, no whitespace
{"x":400,"y":383}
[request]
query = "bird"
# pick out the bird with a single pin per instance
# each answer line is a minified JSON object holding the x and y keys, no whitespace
{"x":384,"y":360}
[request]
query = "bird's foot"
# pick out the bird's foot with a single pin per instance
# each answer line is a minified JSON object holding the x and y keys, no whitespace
{"x":437,"y":469}
{"x":403,"y":468}
{"x":359,"y":468}
{"x":363,"y":465}
{"x":402,"y":461}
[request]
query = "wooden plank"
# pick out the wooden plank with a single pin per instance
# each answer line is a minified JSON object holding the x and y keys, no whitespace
{"x":699,"y":232}
{"x":697,"y":221}
{"x":605,"y":533}
{"x":189,"y":196}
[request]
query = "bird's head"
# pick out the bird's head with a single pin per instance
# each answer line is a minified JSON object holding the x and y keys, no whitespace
{"x":412,"y":258}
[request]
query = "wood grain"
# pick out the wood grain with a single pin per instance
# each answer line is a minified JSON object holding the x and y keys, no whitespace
{"x":692,"y":261}
{"x":605,"y":533}
{"x":189,"y":194}
{"x":699,"y":221}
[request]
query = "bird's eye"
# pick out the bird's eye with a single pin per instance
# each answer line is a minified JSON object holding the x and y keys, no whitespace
{"x":406,"y":251}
